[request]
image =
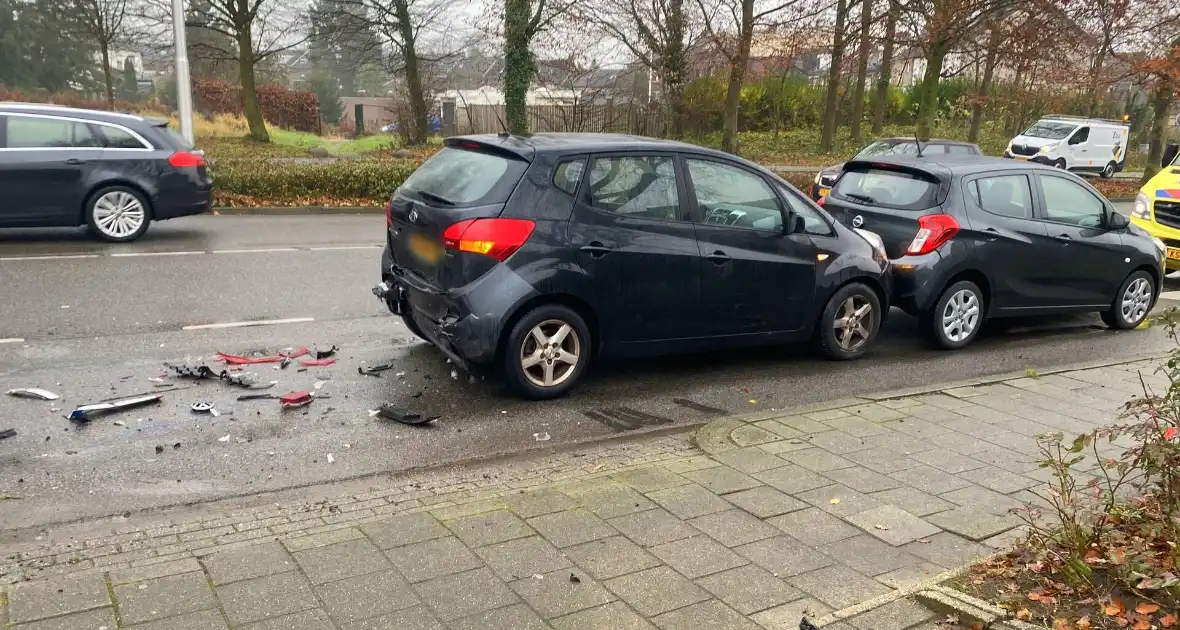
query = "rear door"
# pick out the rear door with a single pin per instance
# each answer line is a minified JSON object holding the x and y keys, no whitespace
{"x":457,"y":184}
{"x":634,"y":240}
{"x":1087,"y":263}
{"x":885,"y":198}
{"x":43,"y":168}
{"x":1009,"y":240}
{"x":755,"y":278}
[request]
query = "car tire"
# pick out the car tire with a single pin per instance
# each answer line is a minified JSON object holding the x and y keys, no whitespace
{"x":1132,"y":303}
{"x":537,"y":370}
{"x":846,"y":331}
{"x":956,"y":317}
{"x":118,"y":214}
{"x":1060,"y":163}
{"x":1109,"y":171}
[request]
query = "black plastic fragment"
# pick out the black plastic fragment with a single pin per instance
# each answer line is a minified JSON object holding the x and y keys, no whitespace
{"x":7,"y":433}
{"x":324,"y":354}
{"x":389,"y":411}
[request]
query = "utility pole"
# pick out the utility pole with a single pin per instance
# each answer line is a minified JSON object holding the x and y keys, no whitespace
{"x":184,"y":88}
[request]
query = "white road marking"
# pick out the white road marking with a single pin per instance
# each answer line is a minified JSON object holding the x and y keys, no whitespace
{"x":53,"y":257}
{"x":341,"y":248}
{"x":141,"y":254}
{"x":254,"y":251}
{"x":261,"y":322}
{"x":13,"y":340}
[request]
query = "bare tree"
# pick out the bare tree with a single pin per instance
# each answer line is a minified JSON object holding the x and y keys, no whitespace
{"x":885,"y":77}
{"x":832,"y":100}
{"x":254,"y":31}
{"x":862,"y":69}
{"x":524,"y":20}
{"x":105,"y":22}
{"x":743,"y":18}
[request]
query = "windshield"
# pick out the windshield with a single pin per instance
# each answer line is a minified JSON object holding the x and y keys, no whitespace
{"x":1050,"y":130}
{"x":460,"y":177}
{"x":884,"y":147}
{"x":881,"y":187}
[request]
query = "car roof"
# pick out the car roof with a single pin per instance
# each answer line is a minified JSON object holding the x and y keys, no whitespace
{"x":569,"y":143}
{"x":938,"y":141}
{"x":946,"y":167}
{"x":74,"y":112}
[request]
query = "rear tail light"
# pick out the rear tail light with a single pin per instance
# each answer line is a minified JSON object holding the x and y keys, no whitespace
{"x":389,"y":214}
{"x":186,"y":159}
{"x":498,"y":238}
{"x":933,"y":231}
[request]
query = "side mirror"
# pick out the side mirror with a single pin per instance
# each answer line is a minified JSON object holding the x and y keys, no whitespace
{"x":1170,"y":152}
{"x":1116,"y":220}
{"x":795,"y":224}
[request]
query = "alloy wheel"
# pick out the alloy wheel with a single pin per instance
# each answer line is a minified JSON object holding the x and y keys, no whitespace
{"x":960,"y":316}
{"x":1136,"y":300}
{"x":851,"y":323}
{"x":118,"y":214}
{"x":550,"y":353}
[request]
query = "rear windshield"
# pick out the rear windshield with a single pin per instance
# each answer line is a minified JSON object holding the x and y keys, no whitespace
{"x":882,"y":147}
{"x":1049,"y":130}
{"x":174,"y":137}
{"x":887,"y":188}
{"x":456,"y":177}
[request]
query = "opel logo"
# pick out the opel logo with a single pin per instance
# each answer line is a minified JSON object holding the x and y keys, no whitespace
{"x":858,"y":221}
{"x":413,"y":216}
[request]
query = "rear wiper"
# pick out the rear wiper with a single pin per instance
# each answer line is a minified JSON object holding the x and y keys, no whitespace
{"x":859,"y":197}
{"x":429,"y":196}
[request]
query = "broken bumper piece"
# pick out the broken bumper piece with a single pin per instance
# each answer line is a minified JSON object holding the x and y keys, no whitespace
{"x":86,"y":413}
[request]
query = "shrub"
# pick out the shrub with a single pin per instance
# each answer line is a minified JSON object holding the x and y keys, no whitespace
{"x":283,"y":107}
{"x":283,"y":183}
{"x":67,"y":99}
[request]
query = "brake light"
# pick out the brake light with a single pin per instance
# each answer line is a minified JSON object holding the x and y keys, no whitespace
{"x":389,"y":214}
{"x":186,"y":159}
{"x":933,"y":231}
{"x":498,"y":238}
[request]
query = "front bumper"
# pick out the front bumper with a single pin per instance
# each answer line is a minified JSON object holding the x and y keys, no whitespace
{"x":1039,"y":159}
{"x":1169,"y":235}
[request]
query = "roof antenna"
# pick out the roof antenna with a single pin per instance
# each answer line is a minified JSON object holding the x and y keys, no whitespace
{"x":919,"y":143}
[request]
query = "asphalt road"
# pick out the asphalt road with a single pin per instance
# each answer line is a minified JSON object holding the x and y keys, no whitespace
{"x":92,"y":321}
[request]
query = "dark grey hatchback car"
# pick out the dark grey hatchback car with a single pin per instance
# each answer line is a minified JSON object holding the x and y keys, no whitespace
{"x":532,"y":255}
{"x":115,"y":173}
{"x":973,"y":238}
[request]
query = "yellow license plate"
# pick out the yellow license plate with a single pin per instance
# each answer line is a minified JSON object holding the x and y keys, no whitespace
{"x":424,"y":248}
{"x":1020,"y":157}
{"x":1173,"y":253}
{"x":823,"y":191}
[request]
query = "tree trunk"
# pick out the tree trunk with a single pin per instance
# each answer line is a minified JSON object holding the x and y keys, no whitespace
{"x":737,"y":76}
{"x":985,"y":85}
{"x":106,"y":75}
{"x":928,"y":102}
{"x":1095,"y":75}
{"x":673,"y":69}
{"x":881,"y":103}
{"x":1161,"y":102}
{"x":862,"y":70}
{"x":518,"y":64}
{"x":417,"y":130}
{"x":831,"y":102}
{"x":250,"y":104}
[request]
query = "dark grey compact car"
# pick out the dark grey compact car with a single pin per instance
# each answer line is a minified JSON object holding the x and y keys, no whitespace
{"x":115,"y":173}
{"x":532,"y":255}
{"x":972,"y":238}
{"x":892,"y":146}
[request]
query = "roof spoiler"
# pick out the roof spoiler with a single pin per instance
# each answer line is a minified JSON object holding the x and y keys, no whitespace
{"x":503,"y":146}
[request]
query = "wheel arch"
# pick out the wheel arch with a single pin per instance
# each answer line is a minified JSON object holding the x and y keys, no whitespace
{"x":975,"y":276}
{"x":115,"y":183}
{"x":573,"y":302}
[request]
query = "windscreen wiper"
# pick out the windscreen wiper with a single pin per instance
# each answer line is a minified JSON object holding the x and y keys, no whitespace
{"x":859,"y":197}
{"x":429,"y":196}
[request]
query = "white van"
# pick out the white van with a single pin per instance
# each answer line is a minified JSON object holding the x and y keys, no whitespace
{"x":1084,"y":145}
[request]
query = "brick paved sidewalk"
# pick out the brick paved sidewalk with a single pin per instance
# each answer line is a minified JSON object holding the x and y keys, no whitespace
{"x":840,"y":511}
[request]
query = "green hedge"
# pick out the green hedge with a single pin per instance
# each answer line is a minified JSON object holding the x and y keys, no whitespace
{"x":282,"y":182}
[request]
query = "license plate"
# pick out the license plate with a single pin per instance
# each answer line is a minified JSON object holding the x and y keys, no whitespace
{"x":1019,"y":157}
{"x":823,"y":191}
{"x":1173,"y":253}
{"x":424,"y":248}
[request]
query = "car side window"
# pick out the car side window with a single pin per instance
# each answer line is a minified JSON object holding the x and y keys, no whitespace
{"x":1069,"y":202}
{"x":635,"y":186}
{"x":49,"y":133}
{"x":116,"y":138}
{"x":1081,"y":136}
{"x":732,"y":196}
{"x":1005,"y":195}
{"x":813,"y":223}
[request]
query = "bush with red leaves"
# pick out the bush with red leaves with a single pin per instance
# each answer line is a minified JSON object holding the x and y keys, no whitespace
{"x":290,"y":109}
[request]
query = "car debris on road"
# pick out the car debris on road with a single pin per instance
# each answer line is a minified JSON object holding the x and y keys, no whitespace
{"x":85,"y":413}
{"x":7,"y":433}
{"x":389,"y":411}
{"x":374,"y":370}
{"x":294,"y":400}
{"x":33,"y":392}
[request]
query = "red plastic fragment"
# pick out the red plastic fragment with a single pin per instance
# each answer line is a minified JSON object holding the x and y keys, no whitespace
{"x":235,"y":359}
{"x":316,"y":362}
{"x":296,"y":399}
{"x":296,"y":353}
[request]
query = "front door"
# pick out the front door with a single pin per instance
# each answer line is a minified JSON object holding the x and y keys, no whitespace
{"x":756,"y":279}
{"x":1078,"y":148}
{"x":636,"y":244}
{"x":1088,"y":261}
{"x":43,"y":167}
{"x":1008,"y":239}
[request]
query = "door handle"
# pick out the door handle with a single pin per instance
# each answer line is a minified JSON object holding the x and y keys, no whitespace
{"x":596,"y":249}
{"x":1064,"y":239}
{"x":75,"y":162}
{"x":718,"y":258}
{"x":991,"y":234}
